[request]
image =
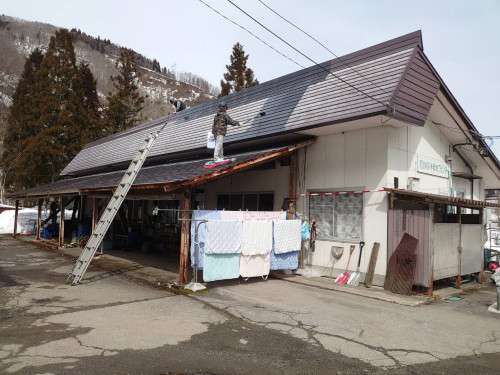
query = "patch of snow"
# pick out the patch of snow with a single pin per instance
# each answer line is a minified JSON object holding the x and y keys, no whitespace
{"x":5,"y":99}
{"x":26,"y":222}
{"x":25,"y":46}
{"x":9,"y":80}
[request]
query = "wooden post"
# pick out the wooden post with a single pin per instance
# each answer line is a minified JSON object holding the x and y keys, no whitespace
{"x":292,"y":177}
{"x":61,"y":221}
{"x":185,"y":206}
{"x":16,"y":216}
{"x":459,"y":249}
{"x":39,"y":220}
{"x":94,"y":213}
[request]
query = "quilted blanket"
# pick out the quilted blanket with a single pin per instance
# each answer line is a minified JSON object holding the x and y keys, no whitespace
{"x":287,"y":236}
{"x":223,"y":237}
{"x":255,"y":265}
{"x":221,"y":267}
{"x":257,"y":237}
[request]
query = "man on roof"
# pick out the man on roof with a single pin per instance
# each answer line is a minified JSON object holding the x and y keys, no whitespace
{"x":219,"y":130}
{"x":178,"y":104}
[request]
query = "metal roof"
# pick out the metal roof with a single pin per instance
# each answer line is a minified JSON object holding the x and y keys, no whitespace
{"x":166,"y":177}
{"x":390,"y":72}
{"x":442,"y":199}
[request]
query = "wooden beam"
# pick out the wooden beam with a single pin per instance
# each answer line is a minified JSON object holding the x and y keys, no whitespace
{"x":185,"y":206}
{"x":94,"y":213}
{"x":205,"y":178}
{"x":61,"y":221}
{"x":292,"y":177}
{"x":292,"y":185}
{"x":39,"y":220}
{"x":16,"y":216}
{"x":81,"y":208}
{"x":458,"y":282}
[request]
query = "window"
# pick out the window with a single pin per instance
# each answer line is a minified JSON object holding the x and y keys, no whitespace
{"x":338,"y":217}
{"x":246,"y":201}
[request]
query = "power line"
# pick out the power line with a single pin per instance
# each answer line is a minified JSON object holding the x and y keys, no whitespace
{"x":303,"y":54}
{"x":298,"y":28}
{"x":318,"y":42}
{"x":251,"y":33}
{"x":469,"y":130}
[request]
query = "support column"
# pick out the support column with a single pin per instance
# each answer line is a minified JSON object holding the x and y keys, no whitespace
{"x":16,"y":216}
{"x":61,"y":221}
{"x":459,"y":249}
{"x":94,"y":213}
{"x":292,"y":181}
{"x":39,"y":220}
{"x":185,"y":206}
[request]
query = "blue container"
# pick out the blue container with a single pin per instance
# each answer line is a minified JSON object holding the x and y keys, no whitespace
{"x":83,"y":230}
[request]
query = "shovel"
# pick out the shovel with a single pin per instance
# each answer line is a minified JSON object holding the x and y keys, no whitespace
{"x":355,"y":276}
{"x":344,"y":276}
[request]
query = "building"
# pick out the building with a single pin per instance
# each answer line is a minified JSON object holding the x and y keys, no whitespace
{"x":378,"y":147}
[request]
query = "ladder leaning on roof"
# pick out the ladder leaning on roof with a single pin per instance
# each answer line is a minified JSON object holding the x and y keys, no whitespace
{"x":112,"y":208}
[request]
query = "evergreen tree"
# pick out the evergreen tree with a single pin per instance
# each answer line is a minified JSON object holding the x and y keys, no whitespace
{"x":125,"y":103}
{"x":59,"y":113}
{"x":22,"y":120}
{"x":86,"y":89}
{"x":237,"y":76}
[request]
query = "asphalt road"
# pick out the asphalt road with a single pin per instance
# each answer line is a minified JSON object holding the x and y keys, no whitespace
{"x":110,"y":325}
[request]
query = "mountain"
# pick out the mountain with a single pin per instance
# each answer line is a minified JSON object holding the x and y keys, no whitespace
{"x":18,"y":38}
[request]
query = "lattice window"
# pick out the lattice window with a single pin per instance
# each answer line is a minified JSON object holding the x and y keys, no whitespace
{"x":338,"y":217}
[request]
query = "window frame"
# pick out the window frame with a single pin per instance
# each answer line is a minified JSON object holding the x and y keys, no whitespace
{"x":334,"y":194}
{"x":257,"y":193}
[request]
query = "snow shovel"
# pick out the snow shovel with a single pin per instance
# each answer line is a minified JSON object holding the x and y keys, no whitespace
{"x":344,"y":276}
{"x":355,"y":276}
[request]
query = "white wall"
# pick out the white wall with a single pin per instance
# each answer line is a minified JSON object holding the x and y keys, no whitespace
{"x":407,"y":144}
{"x":269,"y":180}
{"x":349,"y":161}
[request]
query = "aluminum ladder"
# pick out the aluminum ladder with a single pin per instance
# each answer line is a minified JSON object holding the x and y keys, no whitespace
{"x":112,"y":208}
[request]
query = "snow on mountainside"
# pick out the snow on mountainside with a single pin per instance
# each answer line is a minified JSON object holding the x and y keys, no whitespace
{"x":18,"y":38}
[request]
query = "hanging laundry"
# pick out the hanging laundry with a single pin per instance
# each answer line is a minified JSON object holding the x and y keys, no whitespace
{"x":285,"y":261}
{"x":263,"y":215}
{"x":287,"y":236}
{"x":231,"y":215}
{"x":305,"y":231}
{"x":223,"y":237}
{"x":257,"y":237}
{"x":200,"y":215}
{"x":255,"y":265}
{"x":221,"y":267}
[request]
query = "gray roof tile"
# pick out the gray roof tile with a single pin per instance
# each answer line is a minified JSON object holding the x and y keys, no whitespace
{"x":297,"y":101}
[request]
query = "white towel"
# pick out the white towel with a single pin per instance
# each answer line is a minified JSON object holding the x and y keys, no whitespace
{"x":257,"y":237}
{"x":287,"y":236}
{"x":255,"y":265}
{"x":223,"y":237}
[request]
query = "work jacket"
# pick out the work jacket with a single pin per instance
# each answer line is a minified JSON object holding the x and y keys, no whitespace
{"x":221,"y":121}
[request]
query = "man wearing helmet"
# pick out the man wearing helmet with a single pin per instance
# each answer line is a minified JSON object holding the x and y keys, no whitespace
{"x":219,"y":130}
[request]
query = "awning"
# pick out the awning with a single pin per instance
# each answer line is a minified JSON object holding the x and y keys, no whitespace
{"x":468,"y":176}
{"x":439,"y":199}
{"x":166,"y":177}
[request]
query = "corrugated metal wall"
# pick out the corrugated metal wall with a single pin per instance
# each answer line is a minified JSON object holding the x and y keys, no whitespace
{"x":417,"y":224}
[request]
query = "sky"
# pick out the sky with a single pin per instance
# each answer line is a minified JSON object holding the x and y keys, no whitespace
{"x":461,"y":38}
